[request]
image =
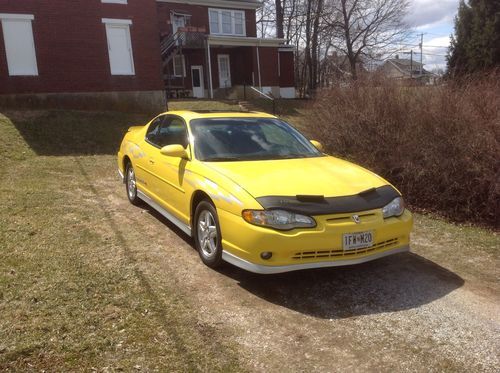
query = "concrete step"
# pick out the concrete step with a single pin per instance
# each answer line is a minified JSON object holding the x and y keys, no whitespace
{"x":247,"y":106}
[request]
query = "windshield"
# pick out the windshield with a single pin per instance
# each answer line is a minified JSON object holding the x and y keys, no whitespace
{"x":246,"y":139}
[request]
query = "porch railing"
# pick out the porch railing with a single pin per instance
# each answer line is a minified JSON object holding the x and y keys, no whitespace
{"x":262,"y":94}
{"x":183,"y":38}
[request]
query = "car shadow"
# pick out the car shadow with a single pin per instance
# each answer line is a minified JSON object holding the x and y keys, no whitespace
{"x":395,"y":283}
{"x":70,"y":132}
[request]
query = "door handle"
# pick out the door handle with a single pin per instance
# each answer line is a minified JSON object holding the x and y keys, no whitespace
{"x":151,"y":161}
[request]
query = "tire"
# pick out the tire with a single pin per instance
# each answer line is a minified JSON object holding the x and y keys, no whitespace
{"x":131,"y":185}
{"x":207,"y":235}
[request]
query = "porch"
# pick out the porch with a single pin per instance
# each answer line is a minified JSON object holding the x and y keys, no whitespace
{"x":208,"y":66}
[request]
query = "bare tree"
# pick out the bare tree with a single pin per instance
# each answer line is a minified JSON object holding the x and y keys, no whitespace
{"x":280,"y":33}
{"x":365,"y":27}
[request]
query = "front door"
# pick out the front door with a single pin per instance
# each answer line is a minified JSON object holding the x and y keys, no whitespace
{"x":178,"y":21}
{"x":197,"y":79}
{"x":224,"y":71}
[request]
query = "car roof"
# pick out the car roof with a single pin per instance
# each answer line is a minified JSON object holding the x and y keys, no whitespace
{"x":200,"y":114}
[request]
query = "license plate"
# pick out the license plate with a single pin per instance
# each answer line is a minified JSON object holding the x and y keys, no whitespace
{"x":358,"y":240}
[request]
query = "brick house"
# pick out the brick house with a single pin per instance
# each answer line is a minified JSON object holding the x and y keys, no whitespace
{"x":137,"y":50}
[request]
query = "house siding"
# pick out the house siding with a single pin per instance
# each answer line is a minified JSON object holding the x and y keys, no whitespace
{"x":71,"y":47}
{"x":287,"y":73}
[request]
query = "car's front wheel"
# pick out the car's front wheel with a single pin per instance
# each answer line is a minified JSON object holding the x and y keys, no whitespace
{"x":131,"y":185}
{"x":207,"y":234}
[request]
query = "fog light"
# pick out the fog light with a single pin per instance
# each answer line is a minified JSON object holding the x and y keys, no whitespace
{"x":266,"y":255}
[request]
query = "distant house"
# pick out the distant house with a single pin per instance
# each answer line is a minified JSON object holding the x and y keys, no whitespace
{"x":407,"y":70}
{"x":138,"y":50}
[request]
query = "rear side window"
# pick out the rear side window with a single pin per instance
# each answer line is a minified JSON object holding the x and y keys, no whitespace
{"x":154,"y":130}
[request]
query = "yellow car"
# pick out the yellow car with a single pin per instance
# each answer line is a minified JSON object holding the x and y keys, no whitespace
{"x":253,"y":191}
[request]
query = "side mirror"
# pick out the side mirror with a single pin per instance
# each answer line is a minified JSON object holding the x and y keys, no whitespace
{"x":175,"y":150}
{"x":317,"y":145}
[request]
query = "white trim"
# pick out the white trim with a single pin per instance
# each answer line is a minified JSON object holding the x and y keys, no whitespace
{"x":113,"y":21}
{"x":258,"y":68}
{"x":114,"y":1}
{"x":30,"y":17}
{"x":233,"y":22}
{"x":263,"y":269}
{"x":184,"y":227}
{"x":243,"y":41}
{"x":218,"y":3}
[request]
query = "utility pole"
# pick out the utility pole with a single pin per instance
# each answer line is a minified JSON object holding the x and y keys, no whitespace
{"x":421,"y":53}
{"x":411,"y":64}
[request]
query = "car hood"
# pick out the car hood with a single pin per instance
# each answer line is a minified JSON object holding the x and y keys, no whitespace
{"x":326,"y":176}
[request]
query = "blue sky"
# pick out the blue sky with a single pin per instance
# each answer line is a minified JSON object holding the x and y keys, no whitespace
{"x":435,"y":19}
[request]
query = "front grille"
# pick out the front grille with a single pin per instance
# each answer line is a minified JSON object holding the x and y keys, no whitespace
{"x":341,"y":253}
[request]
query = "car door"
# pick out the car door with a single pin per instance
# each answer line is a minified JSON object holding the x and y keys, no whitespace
{"x":144,"y":164}
{"x":169,"y":171}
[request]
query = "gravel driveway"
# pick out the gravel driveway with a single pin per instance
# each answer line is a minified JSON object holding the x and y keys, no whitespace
{"x":400,"y":313}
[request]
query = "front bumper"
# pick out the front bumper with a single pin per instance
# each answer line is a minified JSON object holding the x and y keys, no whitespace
{"x":267,"y":270}
{"x":311,"y":248}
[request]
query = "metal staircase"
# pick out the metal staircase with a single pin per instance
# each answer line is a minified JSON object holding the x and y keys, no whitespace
{"x":172,"y":44}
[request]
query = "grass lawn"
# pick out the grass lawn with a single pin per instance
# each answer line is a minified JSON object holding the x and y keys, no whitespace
{"x":72,"y":294}
{"x":75,"y":293}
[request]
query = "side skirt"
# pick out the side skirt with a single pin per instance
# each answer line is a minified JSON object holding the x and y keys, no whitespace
{"x":184,"y":227}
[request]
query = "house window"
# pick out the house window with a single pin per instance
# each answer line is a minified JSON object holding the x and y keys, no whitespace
{"x":214,"y":21}
{"x":19,"y":44}
{"x":227,"y":22}
{"x":179,"y":65}
{"x":121,"y":57}
{"x":239,"y":25}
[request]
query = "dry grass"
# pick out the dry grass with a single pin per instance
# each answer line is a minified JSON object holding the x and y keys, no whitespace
{"x":439,"y":145}
{"x":73,"y":296}
{"x":88,"y":281}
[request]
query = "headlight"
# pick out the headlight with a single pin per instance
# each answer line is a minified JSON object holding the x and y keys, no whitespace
{"x":395,"y":208}
{"x":278,"y":219}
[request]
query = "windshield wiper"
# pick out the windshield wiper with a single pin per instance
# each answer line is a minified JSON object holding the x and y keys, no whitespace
{"x":291,"y":156}
{"x":222,"y":159}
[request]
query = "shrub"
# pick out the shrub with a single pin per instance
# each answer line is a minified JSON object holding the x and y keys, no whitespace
{"x":438,"y":144}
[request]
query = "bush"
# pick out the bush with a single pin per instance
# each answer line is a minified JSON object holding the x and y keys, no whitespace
{"x":438,"y":144}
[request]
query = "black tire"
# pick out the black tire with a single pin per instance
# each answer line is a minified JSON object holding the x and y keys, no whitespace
{"x":131,"y":185}
{"x":211,"y":251}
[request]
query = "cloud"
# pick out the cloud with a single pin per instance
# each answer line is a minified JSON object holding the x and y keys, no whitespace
{"x":435,"y":50}
{"x":427,"y":13}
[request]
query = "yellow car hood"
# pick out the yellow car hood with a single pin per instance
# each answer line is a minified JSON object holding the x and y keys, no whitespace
{"x":326,"y":176}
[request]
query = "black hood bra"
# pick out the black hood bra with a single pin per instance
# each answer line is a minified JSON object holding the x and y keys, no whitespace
{"x":370,"y":199}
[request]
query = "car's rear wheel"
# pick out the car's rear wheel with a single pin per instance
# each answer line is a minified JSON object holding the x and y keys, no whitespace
{"x":207,"y":236}
{"x":131,"y":185}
